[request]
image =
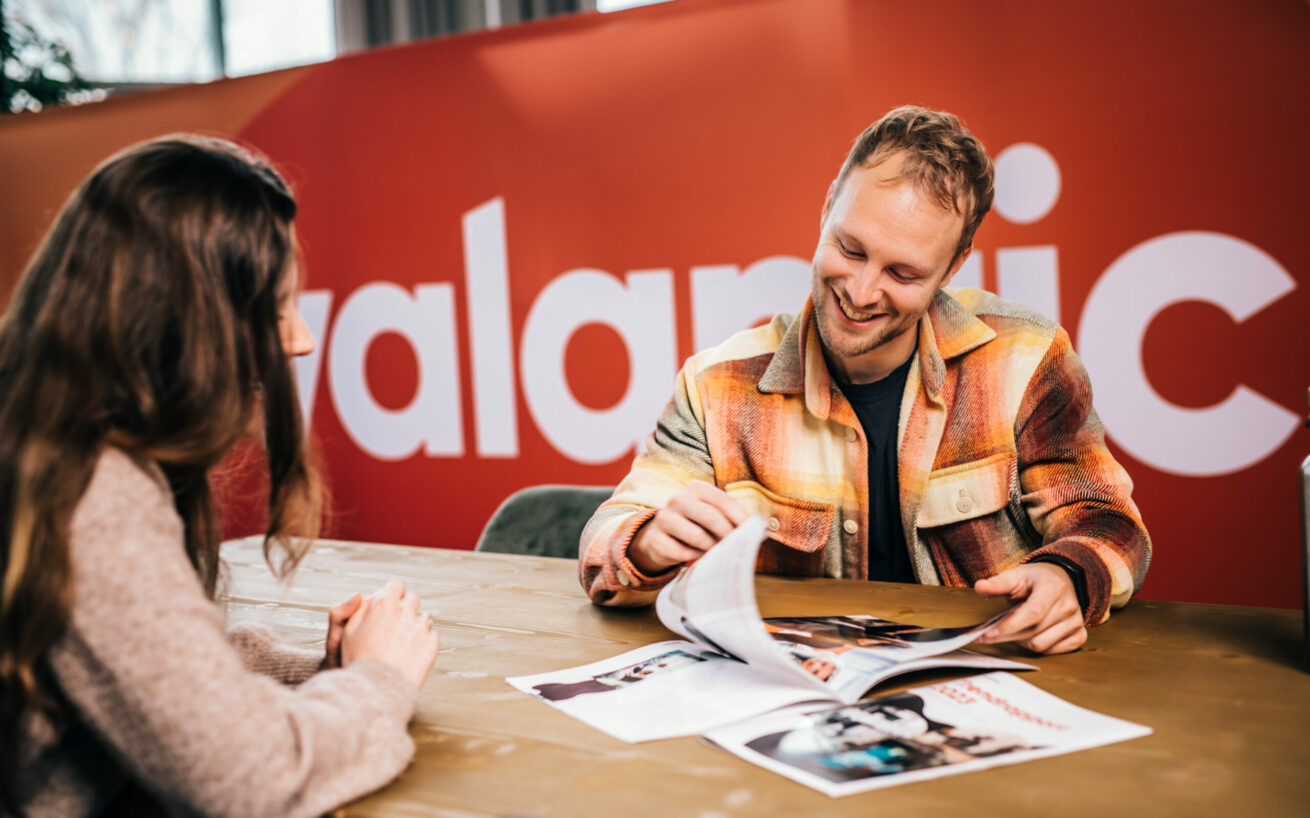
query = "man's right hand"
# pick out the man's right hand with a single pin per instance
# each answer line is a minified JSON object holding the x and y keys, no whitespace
{"x":690,"y":524}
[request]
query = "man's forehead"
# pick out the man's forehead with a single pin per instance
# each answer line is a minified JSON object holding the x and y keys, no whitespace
{"x":895,"y":213}
{"x":896,"y":167}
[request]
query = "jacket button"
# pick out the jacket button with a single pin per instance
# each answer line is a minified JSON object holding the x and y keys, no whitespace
{"x":624,"y":579}
{"x":964,"y":503}
{"x":774,"y":525}
{"x":851,"y":434}
{"x":850,"y":526}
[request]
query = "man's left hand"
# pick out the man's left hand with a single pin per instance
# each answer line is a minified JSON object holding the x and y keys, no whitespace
{"x":1048,"y":620}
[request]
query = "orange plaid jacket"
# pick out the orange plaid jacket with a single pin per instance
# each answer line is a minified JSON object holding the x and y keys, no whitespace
{"x":1001,"y":458}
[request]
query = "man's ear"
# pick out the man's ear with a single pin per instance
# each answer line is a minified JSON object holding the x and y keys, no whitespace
{"x":827,"y":203}
{"x":955,"y":266}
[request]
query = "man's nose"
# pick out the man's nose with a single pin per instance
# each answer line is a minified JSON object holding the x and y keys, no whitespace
{"x":865,"y":288}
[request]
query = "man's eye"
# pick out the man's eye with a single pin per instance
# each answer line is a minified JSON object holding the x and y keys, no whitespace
{"x":846,"y":251}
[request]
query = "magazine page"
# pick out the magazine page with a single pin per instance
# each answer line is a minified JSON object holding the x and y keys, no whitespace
{"x":927,"y":732}
{"x":851,"y":654}
{"x":712,"y":601}
{"x":662,"y":690}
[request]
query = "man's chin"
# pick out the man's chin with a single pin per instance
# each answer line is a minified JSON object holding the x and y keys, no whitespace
{"x":836,"y":339}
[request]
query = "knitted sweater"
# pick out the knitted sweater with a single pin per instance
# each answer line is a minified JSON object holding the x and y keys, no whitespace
{"x":152,"y":690}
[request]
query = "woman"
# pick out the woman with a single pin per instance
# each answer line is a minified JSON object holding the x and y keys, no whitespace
{"x":150,"y":334}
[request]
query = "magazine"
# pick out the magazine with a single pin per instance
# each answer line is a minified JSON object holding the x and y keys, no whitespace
{"x":925,"y":732}
{"x":736,"y":665}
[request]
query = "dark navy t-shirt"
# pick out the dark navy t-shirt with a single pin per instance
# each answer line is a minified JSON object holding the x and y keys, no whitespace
{"x":877,"y":405}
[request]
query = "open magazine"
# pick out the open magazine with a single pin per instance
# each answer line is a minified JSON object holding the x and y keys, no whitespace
{"x":735,"y":664}
{"x":925,"y":732}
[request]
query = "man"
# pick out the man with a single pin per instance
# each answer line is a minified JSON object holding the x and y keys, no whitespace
{"x":893,"y":429}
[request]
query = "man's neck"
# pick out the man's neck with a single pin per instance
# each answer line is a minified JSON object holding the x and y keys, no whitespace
{"x":875,"y":364}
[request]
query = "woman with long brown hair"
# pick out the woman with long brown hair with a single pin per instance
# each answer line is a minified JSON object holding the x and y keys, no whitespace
{"x":151,"y":332}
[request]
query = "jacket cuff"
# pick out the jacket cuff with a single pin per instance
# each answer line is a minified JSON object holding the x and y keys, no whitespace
{"x":627,"y":575}
{"x":1070,"y":553}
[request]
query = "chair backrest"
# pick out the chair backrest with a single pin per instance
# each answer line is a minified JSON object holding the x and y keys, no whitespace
{"x":544,"y":521}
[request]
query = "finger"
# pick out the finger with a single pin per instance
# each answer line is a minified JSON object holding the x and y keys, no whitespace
{"x":353,"y":624}
{"x":669,"y":551}
{"x":1060,"y":617}
{"x":410,"y":603}
{"x":709,"y":517}
{"x":1003,"y":584}
{"x":1067,"y":635}
{"x":394,"y":588}
{"x":732,"y":511}
{"x":1022,"y":623}
{"x":684,"y":531}
{"x":1070,"y":643}
{"x":338,"y":614}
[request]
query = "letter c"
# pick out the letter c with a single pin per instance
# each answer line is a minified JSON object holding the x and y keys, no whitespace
{"x":1232,"y":274}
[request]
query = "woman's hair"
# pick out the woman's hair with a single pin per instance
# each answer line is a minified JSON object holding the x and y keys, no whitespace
{"x":146,"y":321}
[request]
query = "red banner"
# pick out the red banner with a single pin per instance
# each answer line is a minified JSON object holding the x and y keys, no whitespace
{"x":514,"y":238}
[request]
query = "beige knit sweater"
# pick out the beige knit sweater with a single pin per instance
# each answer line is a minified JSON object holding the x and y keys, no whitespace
{"x":155,"y":692}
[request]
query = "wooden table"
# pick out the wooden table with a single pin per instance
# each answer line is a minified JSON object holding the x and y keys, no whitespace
{"x":1219,"y":685}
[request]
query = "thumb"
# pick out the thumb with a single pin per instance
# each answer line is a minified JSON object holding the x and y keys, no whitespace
{"x":340,"y":613}
{"x":1002,"y":584}
{"x":357,"y":617}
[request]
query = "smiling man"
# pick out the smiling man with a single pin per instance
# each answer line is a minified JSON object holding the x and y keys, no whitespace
{"x":893,"y":429}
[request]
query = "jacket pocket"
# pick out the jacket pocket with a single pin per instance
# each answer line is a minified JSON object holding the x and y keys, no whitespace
{"x":967,"y":491}
{"x":799,"y":524}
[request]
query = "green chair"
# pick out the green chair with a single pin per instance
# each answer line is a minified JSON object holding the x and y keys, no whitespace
{"x":544,"y":521}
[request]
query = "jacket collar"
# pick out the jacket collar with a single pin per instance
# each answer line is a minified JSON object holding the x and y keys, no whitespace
{"x":947,"y":330}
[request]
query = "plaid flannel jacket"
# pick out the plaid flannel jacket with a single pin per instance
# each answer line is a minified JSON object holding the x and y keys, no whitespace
{"x":1001,"y":458}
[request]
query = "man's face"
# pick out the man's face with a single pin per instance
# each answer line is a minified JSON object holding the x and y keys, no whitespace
{"x":884,"y":250}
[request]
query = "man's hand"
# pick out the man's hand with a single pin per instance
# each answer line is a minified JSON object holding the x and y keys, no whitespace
{"x":690,"y":524}
{"x":1048,"y":621}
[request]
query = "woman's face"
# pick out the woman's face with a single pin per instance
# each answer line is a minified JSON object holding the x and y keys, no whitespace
{"x":295,"y":335}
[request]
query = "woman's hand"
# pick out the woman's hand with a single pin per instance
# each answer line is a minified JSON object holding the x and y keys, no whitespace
{"x":337,"y":618}
{"x":390,"y":627}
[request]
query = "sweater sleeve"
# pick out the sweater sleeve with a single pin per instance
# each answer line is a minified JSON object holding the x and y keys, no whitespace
{"x":263,"y":653}
{"x":145,"y":664}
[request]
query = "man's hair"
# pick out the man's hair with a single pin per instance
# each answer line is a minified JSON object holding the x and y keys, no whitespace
{"x":941,"y":157}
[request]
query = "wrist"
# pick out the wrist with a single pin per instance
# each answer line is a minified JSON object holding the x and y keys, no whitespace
{"x":1072,"y":571}
{"x":640,"y":556}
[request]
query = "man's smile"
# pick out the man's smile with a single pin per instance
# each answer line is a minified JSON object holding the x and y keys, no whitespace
{"x":856,"y":317}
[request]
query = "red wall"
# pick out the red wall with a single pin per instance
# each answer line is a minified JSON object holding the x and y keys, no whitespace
{"x":669,"y":139}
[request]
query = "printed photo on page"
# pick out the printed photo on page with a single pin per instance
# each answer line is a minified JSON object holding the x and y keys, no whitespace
{"x":926,"y":732}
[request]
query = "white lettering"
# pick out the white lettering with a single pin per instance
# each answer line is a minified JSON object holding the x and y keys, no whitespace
{"x":970,"y":273}
{"x":427,"y":321}
{"x":1029,"y":275}
{"x":1238,"y":277}
{"x":486,"y":275}
{"x":724,"y":301}
{"x":641,"y":312}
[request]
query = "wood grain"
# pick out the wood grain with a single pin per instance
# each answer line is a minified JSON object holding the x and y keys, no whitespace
{"x":1219,"y":685}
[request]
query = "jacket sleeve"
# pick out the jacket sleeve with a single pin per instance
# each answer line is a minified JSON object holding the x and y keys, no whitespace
{"x":145,"y":664}
{"x":1077,"y":496}
{"x":676,"y":453}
